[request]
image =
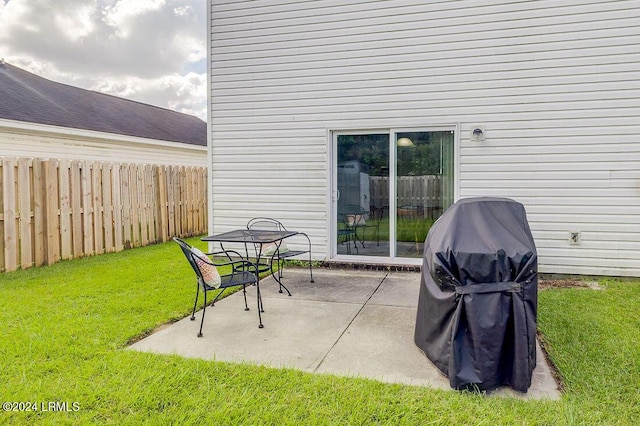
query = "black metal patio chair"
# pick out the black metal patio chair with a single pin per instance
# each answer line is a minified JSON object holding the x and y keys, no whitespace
{"x":346,"y":232}
{"x":354,"y":218}
{"x":279,"y":251}
{"x":243,"y":273}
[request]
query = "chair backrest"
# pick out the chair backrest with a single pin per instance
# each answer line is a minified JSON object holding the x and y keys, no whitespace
{"x":186,"y":249}
{"x":265,"y":223}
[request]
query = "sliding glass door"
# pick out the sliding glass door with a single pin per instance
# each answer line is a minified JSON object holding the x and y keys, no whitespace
{"x":423,"y":186}
{"x":388,"y":189}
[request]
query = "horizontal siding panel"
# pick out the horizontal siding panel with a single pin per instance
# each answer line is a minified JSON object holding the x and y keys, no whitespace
{"x":256,"y":207}
{"x":624,"y":257}
{"x":507,"y":96}
{"x":569,"y":203}
{"x":266,"y":10}
{"x":462,"y":72}
{"x":550,"y":157}
{"x":225,"y":192}
{"x":239,"y":216}
{"x":469,"y":30}
{"x":567,"y":184}
{"x":496,"y":189}
{"x":37,"y":145}
{"x":267,"y":170}
{"x":227,"y":93}
{"x":535,"y":104}
{"x":374,"y":20}
{"x":570,"y":226}
{"x":585,"y":209}
{"x":285,"y":175}
{"x":625,"y":249}
{"x":578,"y":220}
{"x":589,"y":270}
{"x":609,"y":262}
{"x":615,"y":169}
{"x":596,"y":237}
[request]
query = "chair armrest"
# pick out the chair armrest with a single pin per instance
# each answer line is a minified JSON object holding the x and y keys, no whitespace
{"x":226,"y":253}
{"x":237,"y":262}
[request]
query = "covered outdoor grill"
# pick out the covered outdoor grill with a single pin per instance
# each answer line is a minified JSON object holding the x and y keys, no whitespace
{"x":477,"y":307}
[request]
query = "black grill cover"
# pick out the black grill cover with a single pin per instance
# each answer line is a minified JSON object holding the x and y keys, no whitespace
{"x":477,"y":307}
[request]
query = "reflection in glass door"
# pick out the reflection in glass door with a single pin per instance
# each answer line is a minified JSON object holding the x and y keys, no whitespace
{"x":389,"y":189}
{"x":423,"y":187}
{"x":362,"y":222}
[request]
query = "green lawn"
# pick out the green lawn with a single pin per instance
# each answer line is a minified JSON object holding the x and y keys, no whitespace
{"x":65,"y":327}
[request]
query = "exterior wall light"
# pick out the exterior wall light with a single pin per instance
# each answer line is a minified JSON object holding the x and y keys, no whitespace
{"x":477,"y":133}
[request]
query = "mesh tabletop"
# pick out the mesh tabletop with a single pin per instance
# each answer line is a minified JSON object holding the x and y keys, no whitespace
{"x":260,"y":236}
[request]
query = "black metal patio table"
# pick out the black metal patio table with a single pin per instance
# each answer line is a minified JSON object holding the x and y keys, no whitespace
{"x":259,"y":238}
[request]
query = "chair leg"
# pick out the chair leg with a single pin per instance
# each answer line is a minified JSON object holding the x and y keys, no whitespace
{"x":244,"y":292}
{"x":310,"y":267}
{"x":193,"y":313}
{"x":260,"y":306}
{"x":204,"y":310}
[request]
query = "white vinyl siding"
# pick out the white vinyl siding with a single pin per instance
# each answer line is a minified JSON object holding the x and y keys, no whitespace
{"x":556,"y":85}
{"x":18,"y":139}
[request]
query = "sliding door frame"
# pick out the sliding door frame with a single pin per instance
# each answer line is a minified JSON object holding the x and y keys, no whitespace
{"x":332,"y":204}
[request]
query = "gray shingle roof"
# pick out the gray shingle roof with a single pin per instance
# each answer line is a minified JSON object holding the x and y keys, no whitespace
{"x":27,"y":97}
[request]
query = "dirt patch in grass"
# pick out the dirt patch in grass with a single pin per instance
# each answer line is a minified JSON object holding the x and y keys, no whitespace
{"x":568,"y":283}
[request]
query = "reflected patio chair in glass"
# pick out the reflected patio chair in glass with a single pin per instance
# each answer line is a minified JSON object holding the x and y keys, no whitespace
{"x":279,"y":251}
{"x":360,"y":220}
{"x":243,"y":273}
{"x":346,"y":232}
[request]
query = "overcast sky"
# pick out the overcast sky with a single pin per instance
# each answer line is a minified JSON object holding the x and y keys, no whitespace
{"x":152,"y":51}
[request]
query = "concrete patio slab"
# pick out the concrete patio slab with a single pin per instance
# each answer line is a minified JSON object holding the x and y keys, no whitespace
{"x":353,"y":323}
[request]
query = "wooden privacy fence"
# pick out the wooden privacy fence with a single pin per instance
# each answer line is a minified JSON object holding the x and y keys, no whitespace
{"x":62,"y":209}
{"x":416,"y":195}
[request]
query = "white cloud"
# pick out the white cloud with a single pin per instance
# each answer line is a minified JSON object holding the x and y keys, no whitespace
{"x":123,"y":15}
{"x":151,"y":51}
{"x":77,"y":23}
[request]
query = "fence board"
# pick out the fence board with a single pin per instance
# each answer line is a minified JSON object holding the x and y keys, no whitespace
{"x":163,"y":217}
{"x":24,"y":200}
{"x":107,"y":208}
{"x":87,"y":211}
{"x":126,"y":206}
{"x":144,"y":218}
{"x":149,"y":205}
{"x":9,"y":214}
{"x":171,"y":187}
{"x":135,"y":205}
{"x":96,"y":203}
{"x":117,"y":208}
{"x":76,"y":209}
{"x":52,"y":212}
{"x":65,"y":210}
{"x":39,"y":196}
